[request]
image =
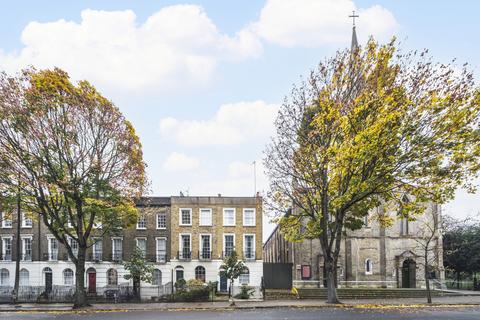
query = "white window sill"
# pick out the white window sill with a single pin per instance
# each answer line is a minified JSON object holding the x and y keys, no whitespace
{"x":164,"y":228}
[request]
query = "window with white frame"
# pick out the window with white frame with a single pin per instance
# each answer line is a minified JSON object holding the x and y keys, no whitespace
{"x":52,"y":249}
{"x":142,"y":222}
{"x":74,"y":247}
{"x":244,"y":277}
{"x":24,"y":277}
{"x":249,"y":217}
{"x":368,"y":266}
{"x":185,"y":246}
{"x":228,"y":244}
{"x":205,"y":217}
{"x":98,"y":250}
{"x":142,"y":245}
{"x":162,"y":220}
{"x":68,"y":277}
{"x":26,"y":248}
{"x":205,"y":246}
{"x":6,"y":220}
{"x":4,"y":277}
{"x":229,"y":216}
{"x":7,"y":248}
{"x":161,"y":249}
{"x":185,"y":217}
{"x":117,"y":249}
{"x":249,"y":246}
{"x":27,"y":221}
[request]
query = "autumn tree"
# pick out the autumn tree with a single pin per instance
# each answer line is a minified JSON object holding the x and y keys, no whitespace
{"x":74,"y":158}
{"x":362,"y":129}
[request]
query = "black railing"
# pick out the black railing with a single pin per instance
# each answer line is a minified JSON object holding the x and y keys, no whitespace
{"x":26,"y":257}
{"x":205,"y":255}
{"x":161,"y":257}
{"x":227,"y":253}
{"x":117,"y":256}
{"x":96,"y":257}
{"x":6,"y":257}
{"x":184,"y":255}
{"x":50,"y":256}
{"x":249,"y":255}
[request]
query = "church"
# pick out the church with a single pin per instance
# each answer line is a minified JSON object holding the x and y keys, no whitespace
{"x":373,"y":256}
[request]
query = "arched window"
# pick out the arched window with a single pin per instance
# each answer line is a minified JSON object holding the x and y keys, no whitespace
{"x":368,"y":266}
{"x":157,"y":277}
{"x":68,"y":277}
{"x":4,"y":277}
{"x":24,"y":277}
{"x":200,"y":273}
{"x":112,"y":278}
{"x":244,"y":278}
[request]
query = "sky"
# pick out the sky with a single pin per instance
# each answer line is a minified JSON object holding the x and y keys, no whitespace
{"x":202,"y":81}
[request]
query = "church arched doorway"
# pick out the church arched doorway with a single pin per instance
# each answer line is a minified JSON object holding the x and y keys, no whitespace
{"x":409,"y":269}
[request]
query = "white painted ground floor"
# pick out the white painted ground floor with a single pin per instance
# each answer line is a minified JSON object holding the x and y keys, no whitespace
{"x":105,"y":274}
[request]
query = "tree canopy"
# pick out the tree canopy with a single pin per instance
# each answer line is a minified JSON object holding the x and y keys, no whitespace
{"x":72,"y":155}
{"x":364,"y":128}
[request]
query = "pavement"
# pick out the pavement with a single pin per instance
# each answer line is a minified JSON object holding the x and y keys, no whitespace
{"x":404,"y":303}
{"x":285,"y":313}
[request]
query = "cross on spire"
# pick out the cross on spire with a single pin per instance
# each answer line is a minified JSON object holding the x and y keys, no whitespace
{"x":353,"y":16}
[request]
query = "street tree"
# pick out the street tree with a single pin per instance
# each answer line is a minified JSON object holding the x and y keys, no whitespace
{"x":365,"y":127}
{"x":428,"y":238}
{"x":138,"y":270}
{"x":74,"y":158}
{"x":232,"y":268}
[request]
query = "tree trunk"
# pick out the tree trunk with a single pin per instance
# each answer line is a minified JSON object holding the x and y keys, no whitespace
{"x":330,"y":266}
{"x":136,"y":288}
{"x":17,"y":253}
{"x":427,"y":279}
{"x":80,"y":299}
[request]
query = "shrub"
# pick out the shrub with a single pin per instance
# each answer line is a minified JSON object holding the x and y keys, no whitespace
{"x":245,"y":293}
{"x":191,"y":290}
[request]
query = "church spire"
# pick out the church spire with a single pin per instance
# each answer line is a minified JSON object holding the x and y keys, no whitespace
{"x":354,"y":32}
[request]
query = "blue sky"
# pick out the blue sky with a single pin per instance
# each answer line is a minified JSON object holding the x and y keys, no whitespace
{"x":201,"y":80}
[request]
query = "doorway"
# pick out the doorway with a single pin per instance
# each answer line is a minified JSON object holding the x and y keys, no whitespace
{"x":48,"y":279}
{"x":92,"y":280}
{"x":409,"y":269}
{"x":223,"y":282}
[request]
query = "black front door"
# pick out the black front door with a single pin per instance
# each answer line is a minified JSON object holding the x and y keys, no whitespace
{"x":48,"y":282}
{"x":409,"y":274}
{"x":223,"y":283}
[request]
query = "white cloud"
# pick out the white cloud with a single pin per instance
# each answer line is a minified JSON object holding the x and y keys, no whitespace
{"x":233,"y":123}
{"x":176,"y":162}
{"x":177,"y":45}
{"x":312,"y":23}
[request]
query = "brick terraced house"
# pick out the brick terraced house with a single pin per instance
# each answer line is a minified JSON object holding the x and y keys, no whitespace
{"x":206,"y":229}
{"x":214,"y":226}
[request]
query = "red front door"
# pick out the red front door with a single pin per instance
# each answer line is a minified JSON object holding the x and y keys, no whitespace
{"x":92,"y":282}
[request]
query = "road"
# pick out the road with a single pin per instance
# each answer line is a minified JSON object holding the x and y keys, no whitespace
{"x":464,"y":313}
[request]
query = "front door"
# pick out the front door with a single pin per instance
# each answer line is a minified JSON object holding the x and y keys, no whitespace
{"x":409,"y":274}
{"x":48,"y":282}
{"x":223,"y":282}
{"x":92,"y":282}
